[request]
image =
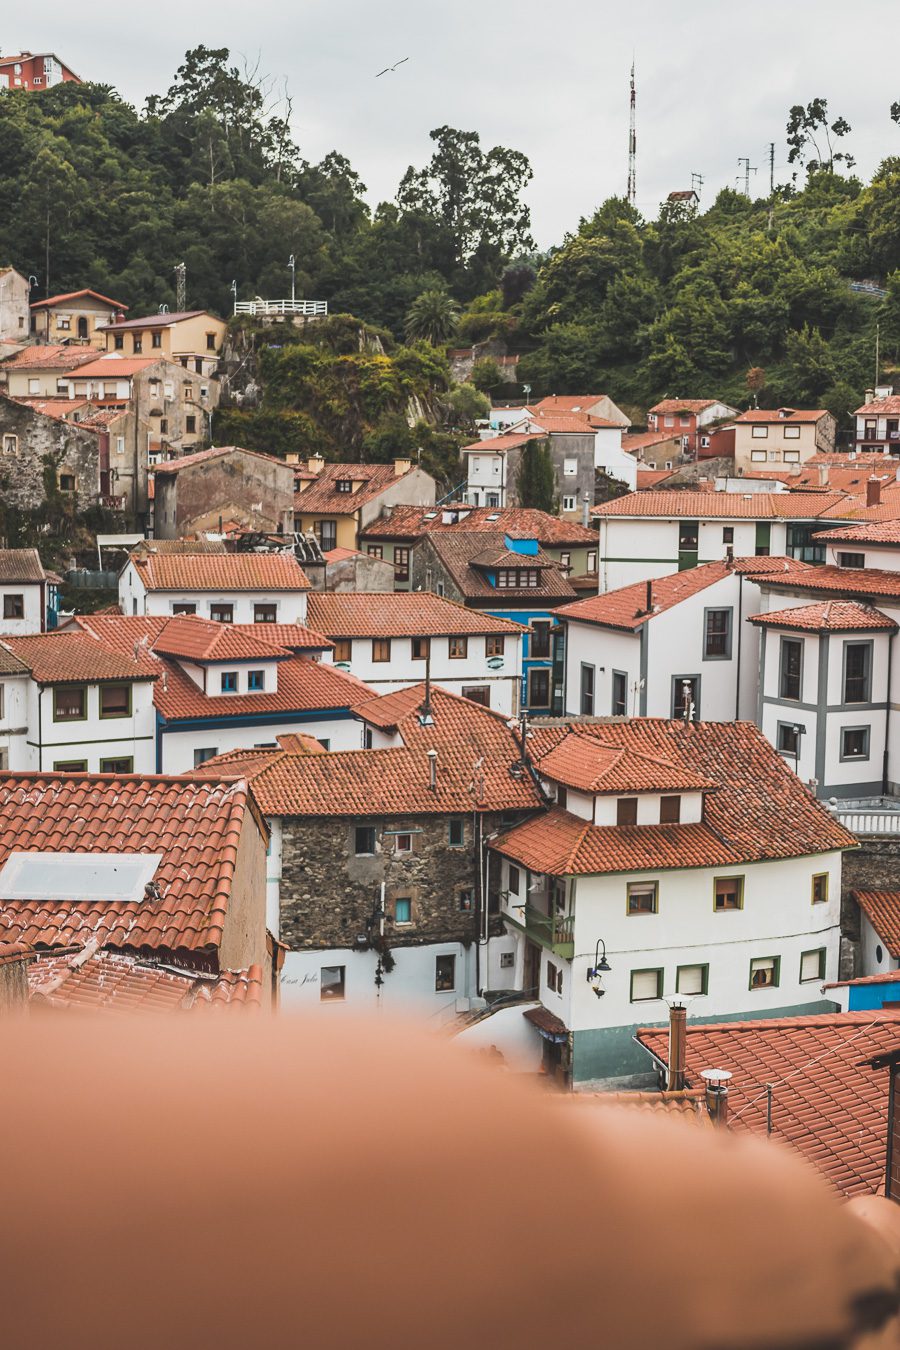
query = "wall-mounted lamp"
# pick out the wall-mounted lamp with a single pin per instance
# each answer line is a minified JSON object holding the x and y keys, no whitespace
{"x":598,"y":969}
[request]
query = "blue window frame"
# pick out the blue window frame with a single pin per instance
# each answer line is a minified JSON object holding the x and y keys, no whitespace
{"x":229,"y":681}
{"x":256,"y":680}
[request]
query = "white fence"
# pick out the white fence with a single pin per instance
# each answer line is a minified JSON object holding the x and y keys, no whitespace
{"x":276,"y":307}
{"x":869,"y":822}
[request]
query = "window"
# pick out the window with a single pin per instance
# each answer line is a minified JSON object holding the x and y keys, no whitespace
{"x":14,"y":606}
{"x":34,"y":386}
{"x":728,"y":893}
{"x":646,"y":985}
{"x":421,"y":647}
{"x":464,"y":900}
{"x":727,"y":534}
{"x":757,"y":455}
{"x":692,"y":980}
{"x":332,"y":983}
{"x":669,"y":810}
{"x":70,"y":766}
{"x":763,"y":541}
{"x":592,"y":560}
{"x":774,"y":455}
{"x":115,"y":700}
{"x":854,"y":743}
{"x":181,"y":607}
{"x":120,"y":445}
{"x":401,"y":563}
{"x":619,"y":693}
{"x":540,"y":641}
{"x":403,"y":843}
{"x":137,"y":344}
{"x":851,"y":560}
{"x":587,"y":690}
{"x":764,"y":972}
{"x":326,"y":531}
{"x":198,"y":366}
{"x":669,"y":420}
{"x":375,"y":550}
{"x":123,"y":765}
{"x":791,"y":679}
{"x":570,"y":503}
{"x":10,"y":444}
{"x":456,"y":833}
{"x":478,"y":693}
{"x":403,"y":911}
{"x":364,"y":840}
{"x":515,"y":877}
{"x":2,"y":698}
{"x":69,"y":703}
{"x":189,"y":393}
{"x":789,"y":739}
{"x":163,"y":426}
{"x":686,"y":697}
{"x":210,"y":342}
{"x":759,"y":433}
{"x":156,"y":339}
{"x":343,"y":650}
{"x":459,"y":647}
{"x":67,"y":482}
{"x":513,"y":578}
{"x":256,"y":681}
{"x":538,"y":688}
{"x":565,"y":562}
{"x":643,"y":897}
{"x":229,"y":681}
{"x":190,"y":425}
{"x":494,"y":645}
{"x":820,"y":888}
{"x":344,"y":485}
{"x":201,"y":756}
{"x":222,"y":613}
{"x":570,"y":468}
{"x":812,"y":966}
{"x":265,"y":613}
{"x":857,"y":670}
{"x":792,"y":456}
{"x":444,"y":974}
{"x":717,"y":635}
{"x":119,"y":341}
{"x":626,"y":811}
{"x":791,"y":433}
{"x":381,"y":649}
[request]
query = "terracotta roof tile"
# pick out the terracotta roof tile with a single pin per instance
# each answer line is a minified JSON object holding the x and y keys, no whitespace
{"x":882,"y":909}
{"x":647,"y":479}
{"x":9,"y":663}
{"x":113,"y":367}
{"x":76,"y":295}
{"x":518,"y":522}
{"x":220,"y":572}
{"x":75,"y":657}
{"x":889,"y":406}
{"x":886,"y":977}
{"x":568,"y":403}
{"x":678,"y":505}
{"x":626,"y":608}
{"x":50,"y":357}
{"x":196,"y":826}
{"x":200,"y":639}
{"x":458,"y":551}
{"x":160,"y":320}
{"x":826,"y":1104}
{"x":861,"y":582}
{"x":585,"y":762}
{"x":121,"y":983}
{"x":872,"y":532}
{"x":322,"y":494}
{"x":568,"y":423}
{"x":498,"y":445}
{"x":295,"y":636}
{"x":828,"y":616}
{"x":20,"y":564}
{"x":691,"y":405}
{"x":758,"y":415}
{"x":399,"y":614}
{"x":174,"y":466}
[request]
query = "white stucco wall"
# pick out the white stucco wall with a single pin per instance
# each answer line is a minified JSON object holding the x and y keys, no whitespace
{"x":178,"y":746}
{"x":95,"y":737}
{"x":134,"y":598}
{"x":452,"y":673}
{"x":32,"y":622}
{"x":635,"y":549}
{"x":14,"y":723}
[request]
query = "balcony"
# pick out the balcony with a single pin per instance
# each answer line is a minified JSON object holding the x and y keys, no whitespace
{"x":270,"y":308}
{"x":556,"y":932}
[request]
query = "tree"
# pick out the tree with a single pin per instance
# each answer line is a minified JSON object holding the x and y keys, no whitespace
{"x":463,"y":404}
{"x":809,"y":129}
{"x":811,"y":365}
{"x":536,"y":480}
{"x":486,"y":374}
{"x":433,"y":317}
{"x":895,"y":112}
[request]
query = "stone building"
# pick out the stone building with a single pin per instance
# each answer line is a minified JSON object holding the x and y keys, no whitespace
{"x":43,"y":456}
{"x":14,"y":313}
{"x":205,"y":490}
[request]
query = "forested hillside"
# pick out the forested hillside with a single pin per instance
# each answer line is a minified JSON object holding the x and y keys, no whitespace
{"x":97,"y":193}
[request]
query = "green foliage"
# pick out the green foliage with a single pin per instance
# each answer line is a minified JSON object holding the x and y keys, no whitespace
{"x":536,"y":480}
{"x":432,"y":317}
{"x":463,"y":404}
{"x":808,"y":129}
{"x":486,"y":375}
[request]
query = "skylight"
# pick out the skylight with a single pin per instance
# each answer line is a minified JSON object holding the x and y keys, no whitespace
{"x":77,"y":876}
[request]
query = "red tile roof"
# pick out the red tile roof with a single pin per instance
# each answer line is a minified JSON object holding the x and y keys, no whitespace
{"x":500,"y":444}
{"x":567,"y":424}
{"x":51,"y":356}
{"x":568,"y":403}
{"x":587,"y":763}
{"x":882,"y":909}
{"x":691,"y":405}
{"x":75,"y":657}
{"x":647,"y":479}
{"x":457,"y":552}
{"x":20,"y":564}
{"x":159,"y":320}
{"x":220,"y":572}
{"x":886,"y":977}
{"x":864,"y":582}
{"x":827,"y":616}
{"x":889,"y":407}
{"x":758,"y":415}
{"x":76,"y":295}
{"x":827,"y":1105}
{"x":336,"y":555}
{"x":743,"y":820}
{"x":678,"y":505}
{"x":174,"y":466}
{"x":399,"y":614}
{"x":395,"y":781}
{"x":872,"y":532}
{"x":626,"y":608}
{"x":322,"y":496}
{"x":199,"y":639}
{"x":120,"y":983}
{"x":518,"y":522}
{"x":114,"y":367}
{"x":61,"y":408}
{"x":195,"y":826}
{"x":295,"y":636}
{"x":10,"y":664}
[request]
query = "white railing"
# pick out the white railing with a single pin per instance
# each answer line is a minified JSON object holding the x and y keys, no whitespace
{"x":870,"y":822}
{"x":267,"y":307}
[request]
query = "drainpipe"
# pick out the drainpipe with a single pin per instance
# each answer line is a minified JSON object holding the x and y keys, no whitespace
{"x":887,"y":717}
{"x":740,"y":634}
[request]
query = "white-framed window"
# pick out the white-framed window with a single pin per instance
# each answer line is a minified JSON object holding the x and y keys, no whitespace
{"x":10,"y":443}
{"x":570,"y":503}
{"x":570,"y":468}
{"x":120,"y":445}
{"x":63,"y":322}
{"x":34,"y":386}
{"x":669,"y":420}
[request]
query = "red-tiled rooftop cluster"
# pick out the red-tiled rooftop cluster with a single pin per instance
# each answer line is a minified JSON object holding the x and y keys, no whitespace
{"x":122,"y":983}
{"x":399,"y":614}
{"x":219,"y":572}
{"x":828,"y":616}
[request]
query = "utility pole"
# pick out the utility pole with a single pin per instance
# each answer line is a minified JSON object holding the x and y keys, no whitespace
{"x":632,"y":143}
{"x":748,"y":169}
{"x":697,"y":184}
{"x":771,"y":168}
{"x":180,"y":287}
{"x":877,"y":350}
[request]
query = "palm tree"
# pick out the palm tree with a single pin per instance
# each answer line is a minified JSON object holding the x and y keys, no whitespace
{"x":433,"y":316}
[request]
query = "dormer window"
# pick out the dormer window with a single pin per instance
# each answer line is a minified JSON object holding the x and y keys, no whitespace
{"x":344,"y":485}
{"x":229,"y":681}
{"x":626,"y":811}
{"x":669,"y":810}
{"x":516,"y":578}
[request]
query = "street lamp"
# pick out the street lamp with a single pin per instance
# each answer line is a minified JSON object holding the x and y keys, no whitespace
{"x":598,"y":969}
{"x":293,"y":266}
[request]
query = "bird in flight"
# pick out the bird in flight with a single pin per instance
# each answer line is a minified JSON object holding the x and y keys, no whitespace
{"x":388,"y":69}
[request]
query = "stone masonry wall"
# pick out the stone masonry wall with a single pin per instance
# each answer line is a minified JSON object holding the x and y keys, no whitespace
{"x":43,"y":444}
{"x":874,"y":866}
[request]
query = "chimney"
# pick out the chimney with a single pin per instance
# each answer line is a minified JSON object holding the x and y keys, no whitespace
{"x":823,"y":475}
{"x":586,"y":511}
{"x":873,"y":491}
{"x":402,"y":466}
{"x":292,"y":457}
{"x":432,"y":769}
{"x":868,"y":395}
{"x":677,"y":1047}
{"x":716,"y":1081}
{"x":648,"y":603}
{"x":315,"y":463}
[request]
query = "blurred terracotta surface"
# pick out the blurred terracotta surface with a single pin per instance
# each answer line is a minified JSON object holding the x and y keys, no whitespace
{"x":326,"y":1182}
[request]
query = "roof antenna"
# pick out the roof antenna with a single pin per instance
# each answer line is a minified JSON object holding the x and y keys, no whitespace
{"x":426,"y":716}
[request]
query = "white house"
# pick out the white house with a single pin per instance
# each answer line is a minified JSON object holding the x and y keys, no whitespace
{"x":27,"y":593}
{"x":84,"y":707}
{"x":232,"y":687}
{"x":678,"y":860}
{"x":391,"y":639}
{"x":14,"y":676}
{"x":649,"y":534}
{"x":227,"y":588}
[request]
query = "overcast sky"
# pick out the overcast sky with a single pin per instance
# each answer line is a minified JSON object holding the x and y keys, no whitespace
{"x":714,"y":79}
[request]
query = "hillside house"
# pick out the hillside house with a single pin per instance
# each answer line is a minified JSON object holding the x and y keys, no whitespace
{"x":28,"y":594}
{"x":878,"y":422}
{"x":337,"y":501}
{"x":690,"y":420}
{"x":781,"y":436}
{"x":79,"y":317}
{"x":192,"y":338}
{"x":15,"y":291}
{"x":42,"y":371}
{"x":264,"y":588}
{"x":42,"y":456}
{"x":176,"y":404}
{"x":199,"y":492}
{"x":34,"y":71}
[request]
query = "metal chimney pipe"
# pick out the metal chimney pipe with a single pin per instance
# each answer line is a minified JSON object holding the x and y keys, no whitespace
{"x":586,"y":511}
{"x":873,"y":491}
{"x":716,"y":1081}
{"x":649,"y":600}
{"x":677,"y":1047}
{"x":432,"y":769}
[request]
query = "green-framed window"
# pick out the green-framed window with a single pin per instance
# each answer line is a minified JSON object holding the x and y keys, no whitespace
{"x":765,"y":972}
{"x":692,"y":979}
{"x":646,"y":985}
{"x":642,"y":897}
{"x":728,"y":893}
{"x":115,"y":700}
{"x":812,"y":966}
{"x":69,"y":702}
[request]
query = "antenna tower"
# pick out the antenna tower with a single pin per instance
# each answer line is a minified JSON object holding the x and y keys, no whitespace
{"x":748,"y":169}
{"x":180,"y":287}
{"x":632,"y":145}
